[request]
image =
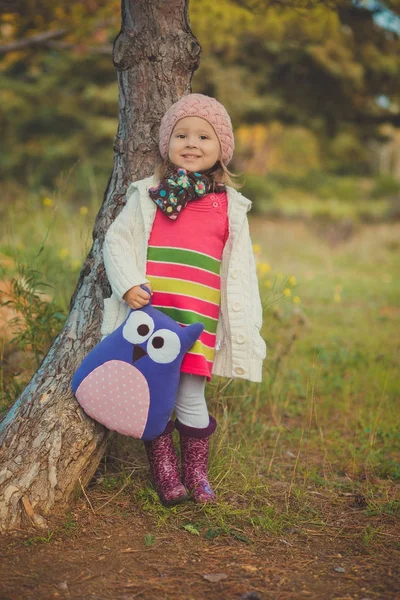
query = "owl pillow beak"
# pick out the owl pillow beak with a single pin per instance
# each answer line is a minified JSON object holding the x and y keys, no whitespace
{"x":138,"y":352}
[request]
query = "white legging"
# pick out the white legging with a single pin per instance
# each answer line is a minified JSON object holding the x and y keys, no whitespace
{"x":191,"y":407}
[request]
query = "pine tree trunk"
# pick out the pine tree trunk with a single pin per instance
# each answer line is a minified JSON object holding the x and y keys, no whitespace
{"x":49,"y":448}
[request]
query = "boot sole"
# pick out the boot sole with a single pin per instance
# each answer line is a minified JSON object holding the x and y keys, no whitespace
{"x":175,"y":501}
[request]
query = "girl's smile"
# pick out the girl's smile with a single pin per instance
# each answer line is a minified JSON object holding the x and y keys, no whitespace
{"x":194,"y":145}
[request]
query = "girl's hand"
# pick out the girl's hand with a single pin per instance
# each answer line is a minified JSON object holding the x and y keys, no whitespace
{"x":137,"y":297}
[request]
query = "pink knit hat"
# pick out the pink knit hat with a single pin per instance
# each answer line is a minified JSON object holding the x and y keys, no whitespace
{"x":198,"y":105}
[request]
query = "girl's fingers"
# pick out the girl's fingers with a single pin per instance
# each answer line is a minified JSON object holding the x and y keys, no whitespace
{"x":137,"y":298}
{"x":143,"y":295}
{"x":146,"y":295}
{"x":139,"y":302}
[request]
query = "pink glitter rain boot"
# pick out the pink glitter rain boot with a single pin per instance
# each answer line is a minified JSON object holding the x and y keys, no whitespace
{"x":164,"y":468}
{"x":194,"y":448}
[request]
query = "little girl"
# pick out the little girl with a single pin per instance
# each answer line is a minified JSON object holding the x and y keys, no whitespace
{"x":184,"y":234}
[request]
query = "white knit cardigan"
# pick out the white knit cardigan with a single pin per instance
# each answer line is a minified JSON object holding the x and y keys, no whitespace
{"x":240,"y":349}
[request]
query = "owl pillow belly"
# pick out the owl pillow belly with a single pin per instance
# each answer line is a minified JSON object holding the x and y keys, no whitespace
{"x":128,"y":382}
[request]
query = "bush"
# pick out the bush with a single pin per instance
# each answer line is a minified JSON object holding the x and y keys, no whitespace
{"x":385,"y":185}
{"x":261,"y":191}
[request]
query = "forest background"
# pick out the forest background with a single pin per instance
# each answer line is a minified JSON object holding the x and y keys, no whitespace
{"x":313,"y":94}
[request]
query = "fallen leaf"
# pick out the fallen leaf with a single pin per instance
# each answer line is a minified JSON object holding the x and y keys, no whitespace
{"x":339,"y":569}
{"x":63,"y":585}
{"x":215,"y":577}
{"x":239,"y":536}
{"x":212,"y":533}
{"x":250,"y":568}
{"x":149,"y":539}
{"x":286,"y":542}
{"x":191,"y":529}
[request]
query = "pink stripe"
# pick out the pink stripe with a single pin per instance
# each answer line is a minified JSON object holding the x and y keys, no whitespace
{"x":208,"y":338}
{"x":158,"y":269}
{"x":185,"y":303}
{"x":193,"y":363}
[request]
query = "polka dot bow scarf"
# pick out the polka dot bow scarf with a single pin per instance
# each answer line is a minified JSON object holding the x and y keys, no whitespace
{"x":180,"y":187}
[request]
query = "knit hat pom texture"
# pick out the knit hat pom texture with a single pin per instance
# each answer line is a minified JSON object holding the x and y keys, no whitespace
{"x":205,"y":107}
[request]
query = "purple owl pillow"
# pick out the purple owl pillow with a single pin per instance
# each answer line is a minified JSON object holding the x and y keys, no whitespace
{"x":128,"y":382}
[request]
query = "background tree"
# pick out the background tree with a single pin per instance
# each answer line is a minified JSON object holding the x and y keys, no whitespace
{"x":48,"y":447}
{"x":330,"y":69}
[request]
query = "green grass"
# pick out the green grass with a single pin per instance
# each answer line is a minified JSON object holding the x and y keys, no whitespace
{"x":44,"y":238}
{"x":324,"y":420}
{"x":49,"y":233}
{"x":341,"y":379}
{"x":323,"y":195}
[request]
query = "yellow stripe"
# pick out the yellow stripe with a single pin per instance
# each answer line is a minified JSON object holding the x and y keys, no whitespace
{"x":181,"y":286}
{"x":200,"y":348}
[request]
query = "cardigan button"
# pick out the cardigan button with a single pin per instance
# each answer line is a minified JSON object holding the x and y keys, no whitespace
{"x":215,"y":204}
{"x":239,"y":370}
{"x":235,"y":274}
{"x":236,"y":306}
{"x":240,"y":338}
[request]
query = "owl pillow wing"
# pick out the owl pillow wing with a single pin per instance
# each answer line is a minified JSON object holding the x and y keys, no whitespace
{"x":128,"y":382}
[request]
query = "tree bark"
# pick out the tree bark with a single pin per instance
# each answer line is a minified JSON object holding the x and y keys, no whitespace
{"x":49,"y":447}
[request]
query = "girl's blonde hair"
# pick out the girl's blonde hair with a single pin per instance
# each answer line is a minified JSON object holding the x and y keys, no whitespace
{"x":220,"y":175}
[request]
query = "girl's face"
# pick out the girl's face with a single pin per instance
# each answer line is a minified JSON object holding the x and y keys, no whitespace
{"x":194,"y":145}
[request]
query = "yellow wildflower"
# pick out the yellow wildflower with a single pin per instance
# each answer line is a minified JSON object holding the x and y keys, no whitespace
{"x":264,"y":268}
{"x":83,"y":210}
{"x":292,"y":280}
{"x":296,"y":299}
{"x":63,"y":253}
{"x":336,"y":297}
{"x":268,"y":283}
{"x":287,"y":292}
{"x":48,"y":201}
{"x":256,"y":248}
{"x":76,"y":264}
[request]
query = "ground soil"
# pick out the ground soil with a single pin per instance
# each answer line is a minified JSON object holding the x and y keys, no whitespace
{"x":100,"y":552}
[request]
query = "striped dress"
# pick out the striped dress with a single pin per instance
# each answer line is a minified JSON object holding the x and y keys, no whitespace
{"x":183,"y":267}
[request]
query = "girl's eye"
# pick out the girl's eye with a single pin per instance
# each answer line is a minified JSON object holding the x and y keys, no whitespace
{"x":203,"y":137}
{"x":181,"y":135}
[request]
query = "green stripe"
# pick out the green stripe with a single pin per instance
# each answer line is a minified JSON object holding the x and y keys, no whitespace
{"x":187,"y":317}
{"x":184,"y":257}
{"x":186,"y":288}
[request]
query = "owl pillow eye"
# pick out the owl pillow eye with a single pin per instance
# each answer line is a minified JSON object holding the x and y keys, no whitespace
{"x":163,"y":346}
{"x":138,"y":328}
